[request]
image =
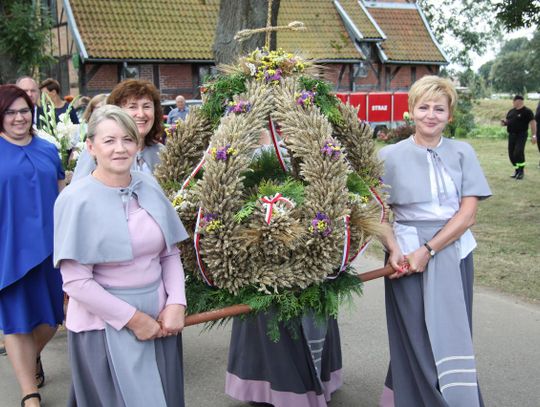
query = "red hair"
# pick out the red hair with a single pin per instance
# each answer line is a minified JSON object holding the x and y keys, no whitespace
{"x":8,"y":95}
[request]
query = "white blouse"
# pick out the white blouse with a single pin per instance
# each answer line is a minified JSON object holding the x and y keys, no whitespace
{"x":441,"y":206}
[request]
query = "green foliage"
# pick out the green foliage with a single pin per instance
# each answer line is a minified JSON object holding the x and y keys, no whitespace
{"x":460,"y":26}
{"x":356,"y":185}
{"x":515,"y":14}
{"x":505,"y":74}
{"x":291,"y":189}
{"x":24,"y":33}
{"x":475,"y":83}
{"x":322,"y":299}
{"x":324,"y":99}
{"x":220,"y":91}
{"x":496,"y":132}
{"x":463,"y":120}
{"x":264,"y":166}
{"x":515,"y":68}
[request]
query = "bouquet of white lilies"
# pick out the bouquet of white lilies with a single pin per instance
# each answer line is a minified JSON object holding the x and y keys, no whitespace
{"x":64,"y":134}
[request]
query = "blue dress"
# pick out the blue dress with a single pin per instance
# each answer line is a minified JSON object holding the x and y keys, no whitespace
{"x":30,"y":288}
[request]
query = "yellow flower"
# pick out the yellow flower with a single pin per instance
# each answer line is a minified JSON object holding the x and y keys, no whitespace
{"x":177,"y":201}
{"x":214,"y":225}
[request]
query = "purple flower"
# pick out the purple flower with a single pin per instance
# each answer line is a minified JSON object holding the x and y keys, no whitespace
{"x":331,"y":149}
{"x":320,"y":225}
{"x":209,"y":217}
{"x":240,"y":107}
{"x":221,"y":154}
{"x":306,"y":98}
{"x":276,"y":76}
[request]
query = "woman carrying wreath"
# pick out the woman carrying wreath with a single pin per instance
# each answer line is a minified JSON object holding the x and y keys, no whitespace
{"x":301,"y":369}
{"x":115,"y":243}
{"x":31,"y":299}
{"x":435,"y":184}
{"x":140,"y":99}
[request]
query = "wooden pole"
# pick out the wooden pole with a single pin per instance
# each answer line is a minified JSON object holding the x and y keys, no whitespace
{"x":240,"y":309}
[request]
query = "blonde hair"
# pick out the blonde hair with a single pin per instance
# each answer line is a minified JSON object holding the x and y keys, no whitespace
{"x":94,"y":102}
{"x":432,"y":87}
{"x":112,"y":112}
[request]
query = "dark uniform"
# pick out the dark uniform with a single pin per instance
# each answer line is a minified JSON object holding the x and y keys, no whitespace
{"x":537,"y":118}
{"x":517,"y":122}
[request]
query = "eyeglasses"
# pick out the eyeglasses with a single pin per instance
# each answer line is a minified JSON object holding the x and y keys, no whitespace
{"x":13,"y":113}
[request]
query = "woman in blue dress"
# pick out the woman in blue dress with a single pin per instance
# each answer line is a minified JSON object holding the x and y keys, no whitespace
{"x":31,"y":298}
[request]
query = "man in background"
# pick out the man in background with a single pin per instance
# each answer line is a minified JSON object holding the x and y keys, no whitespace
{"x":537,"y":118}
{"x":52,"y":88}
{"x":179,"y":112}
{"x":517,"y":122}
{"x":30,"y":87}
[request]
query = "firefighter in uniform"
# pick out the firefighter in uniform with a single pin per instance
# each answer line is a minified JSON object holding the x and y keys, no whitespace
{"x":517,"y":122}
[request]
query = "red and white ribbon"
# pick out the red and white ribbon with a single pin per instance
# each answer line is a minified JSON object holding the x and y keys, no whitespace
{"x":195,"y":171}
{"x":269,"y":204}
{"x":275,"y":142}
{"x":197,"y":244}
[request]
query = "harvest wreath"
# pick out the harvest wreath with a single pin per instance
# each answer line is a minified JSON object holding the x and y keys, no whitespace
{"x":272,"y":227}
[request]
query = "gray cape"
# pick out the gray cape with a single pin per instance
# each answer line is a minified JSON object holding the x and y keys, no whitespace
{"x":86,"y":164}
{"x":90,"y":224}
{"x":405,"y":164}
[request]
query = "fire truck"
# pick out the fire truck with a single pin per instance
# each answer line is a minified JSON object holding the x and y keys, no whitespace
{"x":379,"y":109}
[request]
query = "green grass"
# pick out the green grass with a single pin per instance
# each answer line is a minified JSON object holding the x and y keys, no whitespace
{"x":490,"y":112}
{"x":508,"y":223}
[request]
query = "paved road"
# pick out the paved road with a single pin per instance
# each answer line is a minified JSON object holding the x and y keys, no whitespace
{"x":507,"y":338}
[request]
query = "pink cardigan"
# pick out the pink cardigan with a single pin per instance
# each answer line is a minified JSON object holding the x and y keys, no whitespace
{"x":91,"y":306}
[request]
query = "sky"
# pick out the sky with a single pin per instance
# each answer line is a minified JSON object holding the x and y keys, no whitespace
{"x":479,"y":60}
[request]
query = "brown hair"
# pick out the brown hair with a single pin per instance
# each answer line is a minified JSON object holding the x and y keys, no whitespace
{"x":8,"y":95}
{"x":138,"y":89}
{"x":96,"y":100}
{"x":51,"y":84}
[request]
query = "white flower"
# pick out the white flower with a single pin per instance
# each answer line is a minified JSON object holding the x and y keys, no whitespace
{"x":51,"y":139}
{"x":252,"y":68}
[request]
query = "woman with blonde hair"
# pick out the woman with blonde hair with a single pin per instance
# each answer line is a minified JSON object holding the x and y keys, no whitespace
{"x":97,"y":101}
{"x":115,"y":244}
{"x":435,"y":184}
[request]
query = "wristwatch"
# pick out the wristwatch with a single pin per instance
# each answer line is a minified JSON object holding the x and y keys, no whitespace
{"x":430,"y":250}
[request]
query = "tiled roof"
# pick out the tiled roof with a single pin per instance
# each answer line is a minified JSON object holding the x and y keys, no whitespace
{"x":146,"y":29}
{"x":408,"y":39}
{"x":185,"y":30}
{"x":325,"y":36}
{"x":360,"y":19}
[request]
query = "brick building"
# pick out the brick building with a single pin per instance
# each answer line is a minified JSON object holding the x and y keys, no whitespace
{"x":362,"y":45}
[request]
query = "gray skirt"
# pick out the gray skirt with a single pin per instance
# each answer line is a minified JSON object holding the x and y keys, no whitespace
{"x":412,"y":374}
{"x":94,"y":381}
{"x":297,"y":371}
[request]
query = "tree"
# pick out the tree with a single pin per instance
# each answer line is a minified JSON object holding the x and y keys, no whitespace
{"x":515,"y":45}
{"x":506,"y":78}
{"x":239,"y":15}
{"x":515,"y":14}
{"x":485,"y":71}
{"x":24,"y":32}
{"x":460,"y":26}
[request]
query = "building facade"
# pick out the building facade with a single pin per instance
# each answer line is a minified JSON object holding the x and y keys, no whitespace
{"x":360,"y":45}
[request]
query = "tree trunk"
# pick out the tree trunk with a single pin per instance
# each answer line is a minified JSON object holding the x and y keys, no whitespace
{"x":239,"y":15}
